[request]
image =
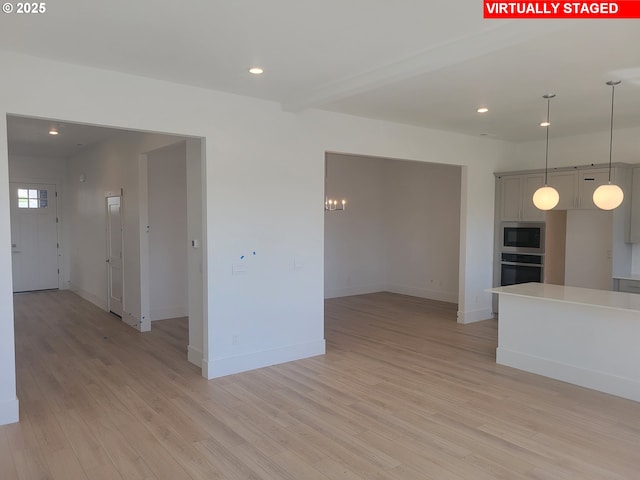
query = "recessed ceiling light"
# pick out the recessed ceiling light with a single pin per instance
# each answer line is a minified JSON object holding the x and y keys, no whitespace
{"x":53,"y":131}
{"x":482,"y":110}
{"x":256,"y":70}
{"x":545,"y":124}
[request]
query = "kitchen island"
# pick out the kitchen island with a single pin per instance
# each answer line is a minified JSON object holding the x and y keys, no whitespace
{"x":581,"y":336}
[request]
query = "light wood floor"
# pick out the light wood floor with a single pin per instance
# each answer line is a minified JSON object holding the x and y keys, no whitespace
{"x":403,"y":393}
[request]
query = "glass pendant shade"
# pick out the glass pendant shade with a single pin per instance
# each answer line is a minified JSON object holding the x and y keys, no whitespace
{"x":545,"y":198}
{"x":608,"y":197}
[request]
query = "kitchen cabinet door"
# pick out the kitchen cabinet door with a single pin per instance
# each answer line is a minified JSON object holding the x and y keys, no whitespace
{"x":530,"y":184}
{"x":566,"y":183}
{"x":628,"y":286}
{"x":510,"y":197}
{"x":516,"y":197}
{"x":589,"y":181}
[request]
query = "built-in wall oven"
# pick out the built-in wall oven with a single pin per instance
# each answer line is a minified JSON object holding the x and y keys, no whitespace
{"x":522,"y":252}
{"x":521,"y":268}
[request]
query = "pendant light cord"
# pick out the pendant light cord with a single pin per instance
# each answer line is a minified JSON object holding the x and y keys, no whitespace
{"x":613,"y":91}
{"x":546,"y":156}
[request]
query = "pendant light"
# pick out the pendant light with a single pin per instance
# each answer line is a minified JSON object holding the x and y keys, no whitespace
{"x":609,"y":196}
{"x":546,"y":197}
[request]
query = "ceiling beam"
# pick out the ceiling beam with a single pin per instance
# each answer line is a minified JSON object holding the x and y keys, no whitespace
{"x":498,"y":37}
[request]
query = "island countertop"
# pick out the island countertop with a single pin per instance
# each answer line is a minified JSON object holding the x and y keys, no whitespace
{"x":576,"y":295}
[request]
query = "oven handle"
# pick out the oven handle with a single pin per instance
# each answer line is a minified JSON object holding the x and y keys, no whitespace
{"x":523,"y":264}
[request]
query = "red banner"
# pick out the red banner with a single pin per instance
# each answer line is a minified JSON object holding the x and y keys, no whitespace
{"x":590,"y":9}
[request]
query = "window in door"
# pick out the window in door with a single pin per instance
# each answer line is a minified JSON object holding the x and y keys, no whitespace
{"x":32,"y":198}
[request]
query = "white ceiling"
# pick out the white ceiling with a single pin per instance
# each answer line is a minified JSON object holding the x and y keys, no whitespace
{"x":428,"y":63}
{"x":29,"y":137}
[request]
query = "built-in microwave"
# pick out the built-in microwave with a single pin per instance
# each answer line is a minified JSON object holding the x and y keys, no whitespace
{"x":522,"y":237}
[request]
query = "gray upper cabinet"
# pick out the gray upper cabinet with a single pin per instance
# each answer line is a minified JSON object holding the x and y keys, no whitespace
{"x":575,"y":188}
{"x":566,"y":183}
{"x":510,"y":197}
{"x":531,"y":183}
{"x":589,"y":180}
{"x":514,"y":194}
{"x":516,"y":197}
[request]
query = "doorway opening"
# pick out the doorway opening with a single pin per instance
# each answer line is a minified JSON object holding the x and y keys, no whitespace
{"x":165,"y":248}
{"x":89,"y":177}
{"x":115,"y":272}
{"x":400,"y":232}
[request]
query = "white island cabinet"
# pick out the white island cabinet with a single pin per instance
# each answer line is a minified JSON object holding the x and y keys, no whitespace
{"x":626,"y":283}
{"x":578,"y":335}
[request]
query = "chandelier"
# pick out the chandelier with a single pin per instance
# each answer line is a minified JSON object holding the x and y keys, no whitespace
{"x":331,"y":205}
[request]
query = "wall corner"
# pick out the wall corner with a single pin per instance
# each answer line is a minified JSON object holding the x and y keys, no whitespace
{"x":9,"y":412}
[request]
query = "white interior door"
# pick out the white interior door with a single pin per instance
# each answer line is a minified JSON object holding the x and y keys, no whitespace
{"x":114,"y":254}
{"x":34,"y":236}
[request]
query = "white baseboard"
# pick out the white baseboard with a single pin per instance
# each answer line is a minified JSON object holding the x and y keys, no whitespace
{"x":132,"y":320}
{"x":242,"y":363}
{"x":142,"y":325}
{"x":359,"y":290}
{"x":9,"y":412}
{"x":89,"y":297}
{"x":205,"y":368}
{"x":166,"y":313}
{"x":596,"y":380}
{"x":195,"y":356}
{"x":471,"y":316}
{"x":450,"y":297}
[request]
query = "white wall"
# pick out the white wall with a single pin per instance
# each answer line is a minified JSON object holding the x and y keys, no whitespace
{"x":592,"y":148}
{"x":107,"y":166}
{"x":263,"y":192}
{"x":355,"y":255}
{"x":400,"y":231}
{"x":50,"y":171}
{"x":423,"y":233}
{"x":8,"y":399}
{"x":167,"y":239}
{"x":37,"y":168}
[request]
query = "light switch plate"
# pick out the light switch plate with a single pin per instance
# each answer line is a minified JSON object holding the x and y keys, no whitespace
{"x":237,"y":269}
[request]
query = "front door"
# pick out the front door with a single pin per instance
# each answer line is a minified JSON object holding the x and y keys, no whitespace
{"x":34,"y":236}
{"x":114,"y":254}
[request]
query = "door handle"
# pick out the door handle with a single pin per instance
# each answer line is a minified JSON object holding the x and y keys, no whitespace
{"x":108,"y":261}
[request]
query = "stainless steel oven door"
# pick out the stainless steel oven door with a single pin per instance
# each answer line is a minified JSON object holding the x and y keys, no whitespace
{"x":512,"y":273}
